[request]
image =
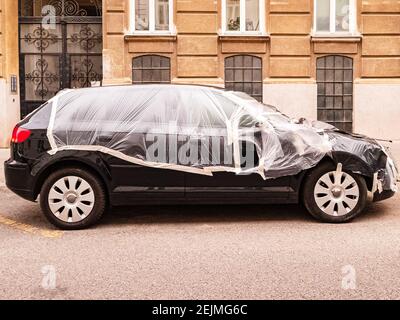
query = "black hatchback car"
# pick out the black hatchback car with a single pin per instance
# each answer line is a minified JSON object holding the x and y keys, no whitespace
{"x":87,"y":149}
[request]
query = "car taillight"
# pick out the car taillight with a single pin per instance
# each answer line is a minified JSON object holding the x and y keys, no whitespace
{"x":20,"y":135}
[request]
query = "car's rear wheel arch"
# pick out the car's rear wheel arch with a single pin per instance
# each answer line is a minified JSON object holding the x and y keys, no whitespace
{"x":70,"y":163}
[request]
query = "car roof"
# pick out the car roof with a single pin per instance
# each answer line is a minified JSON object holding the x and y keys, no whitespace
{"x":139,"y":86}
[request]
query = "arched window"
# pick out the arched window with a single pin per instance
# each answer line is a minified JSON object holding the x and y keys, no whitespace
{"x":335,"y":91}
{"x":244,"y":73}
{"x":151,"y":69}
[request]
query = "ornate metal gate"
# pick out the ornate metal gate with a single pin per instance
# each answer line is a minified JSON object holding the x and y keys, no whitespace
{"x":64,"y":54}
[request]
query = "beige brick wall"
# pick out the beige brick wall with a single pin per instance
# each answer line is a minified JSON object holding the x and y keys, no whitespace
{"x":289,"y":24}
{"x":289,"y":51}
{"x":115,"y":24}
{"x":9,"y":37}
{"x":197,"y":24}
{"x":9,"y":102}
{"x":381,"y":39}
{"x":1,"y":40}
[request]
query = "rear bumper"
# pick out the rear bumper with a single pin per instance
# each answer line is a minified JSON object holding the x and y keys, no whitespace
{"x":19,"y":179}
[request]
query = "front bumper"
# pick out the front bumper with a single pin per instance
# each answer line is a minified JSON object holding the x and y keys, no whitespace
{"x":385,"y":181}
{"x":385,"y":194}
{"x":19,"y":179}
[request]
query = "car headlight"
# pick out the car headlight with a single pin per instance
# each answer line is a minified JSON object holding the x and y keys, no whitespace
{"x":391,"y":171}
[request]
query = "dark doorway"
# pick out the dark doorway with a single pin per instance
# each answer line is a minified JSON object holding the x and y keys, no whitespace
{"x":65,"y":54}
{"x":335,"y":91}
{"x":244,"y":73}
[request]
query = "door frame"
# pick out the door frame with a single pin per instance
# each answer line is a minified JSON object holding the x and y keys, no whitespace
{"x":65,"y":72}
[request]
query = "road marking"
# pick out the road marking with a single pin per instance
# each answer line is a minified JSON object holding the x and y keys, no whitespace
{"x":30,"y":229}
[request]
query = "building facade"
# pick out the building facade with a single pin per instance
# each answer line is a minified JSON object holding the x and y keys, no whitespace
{"x":9,"y":69}
{"x":333,"y":60}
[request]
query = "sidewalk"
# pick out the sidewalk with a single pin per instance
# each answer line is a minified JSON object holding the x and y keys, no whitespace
{"x":4,"y":155}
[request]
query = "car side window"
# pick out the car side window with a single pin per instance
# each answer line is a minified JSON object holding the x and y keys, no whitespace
{"x":41,"y":115}
{"x":228,"y":106}
{"x":197,"y":109}
{"x":247,"y":121}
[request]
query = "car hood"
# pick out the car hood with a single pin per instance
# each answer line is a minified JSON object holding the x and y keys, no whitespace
{"x":362,"y":146}
{"x":347,"y":147}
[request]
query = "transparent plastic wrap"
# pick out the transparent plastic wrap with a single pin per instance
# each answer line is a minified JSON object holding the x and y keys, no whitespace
{"x":188,"y":128}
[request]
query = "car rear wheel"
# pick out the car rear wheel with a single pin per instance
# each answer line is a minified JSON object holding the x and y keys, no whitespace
{"x":333,"y":195}
{"x":72,"y":199}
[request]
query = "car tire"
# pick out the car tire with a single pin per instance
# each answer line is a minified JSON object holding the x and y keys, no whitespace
{"x":334,"y":199}
{"x":79,"y":195}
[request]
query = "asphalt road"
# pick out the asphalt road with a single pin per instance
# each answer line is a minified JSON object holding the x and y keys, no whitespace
{"x":209,"y":252}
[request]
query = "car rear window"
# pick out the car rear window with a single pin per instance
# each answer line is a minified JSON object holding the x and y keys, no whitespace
{"x":41,"y":116}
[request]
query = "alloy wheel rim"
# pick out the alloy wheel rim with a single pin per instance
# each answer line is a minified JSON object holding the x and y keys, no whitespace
{"x":336,"y":193}
{"x":71,"y":199}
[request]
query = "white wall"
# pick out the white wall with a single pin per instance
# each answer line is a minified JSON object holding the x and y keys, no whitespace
{"x":297,"y":100}
{"x":9,"y":113}
{"x":377,"y":110}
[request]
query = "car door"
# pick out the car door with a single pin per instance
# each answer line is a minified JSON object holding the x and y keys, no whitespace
{"x":230,"y":186}
{"x":138,"y":182}
{"x":149,"y":178}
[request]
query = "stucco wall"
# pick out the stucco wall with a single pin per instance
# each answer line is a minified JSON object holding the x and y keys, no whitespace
{"x":9,"y":113}
{"x":296,"y":100}
{"x":377,"y":110}
{"x":376,"y":105}
{"x":9,"y":102}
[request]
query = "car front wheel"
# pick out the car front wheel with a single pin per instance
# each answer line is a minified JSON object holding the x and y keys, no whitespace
{"x":333,"y":195}
{"x":72,"y":199}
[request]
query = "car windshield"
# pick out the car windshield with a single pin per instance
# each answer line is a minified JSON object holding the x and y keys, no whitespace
{"x":260,"y":110}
